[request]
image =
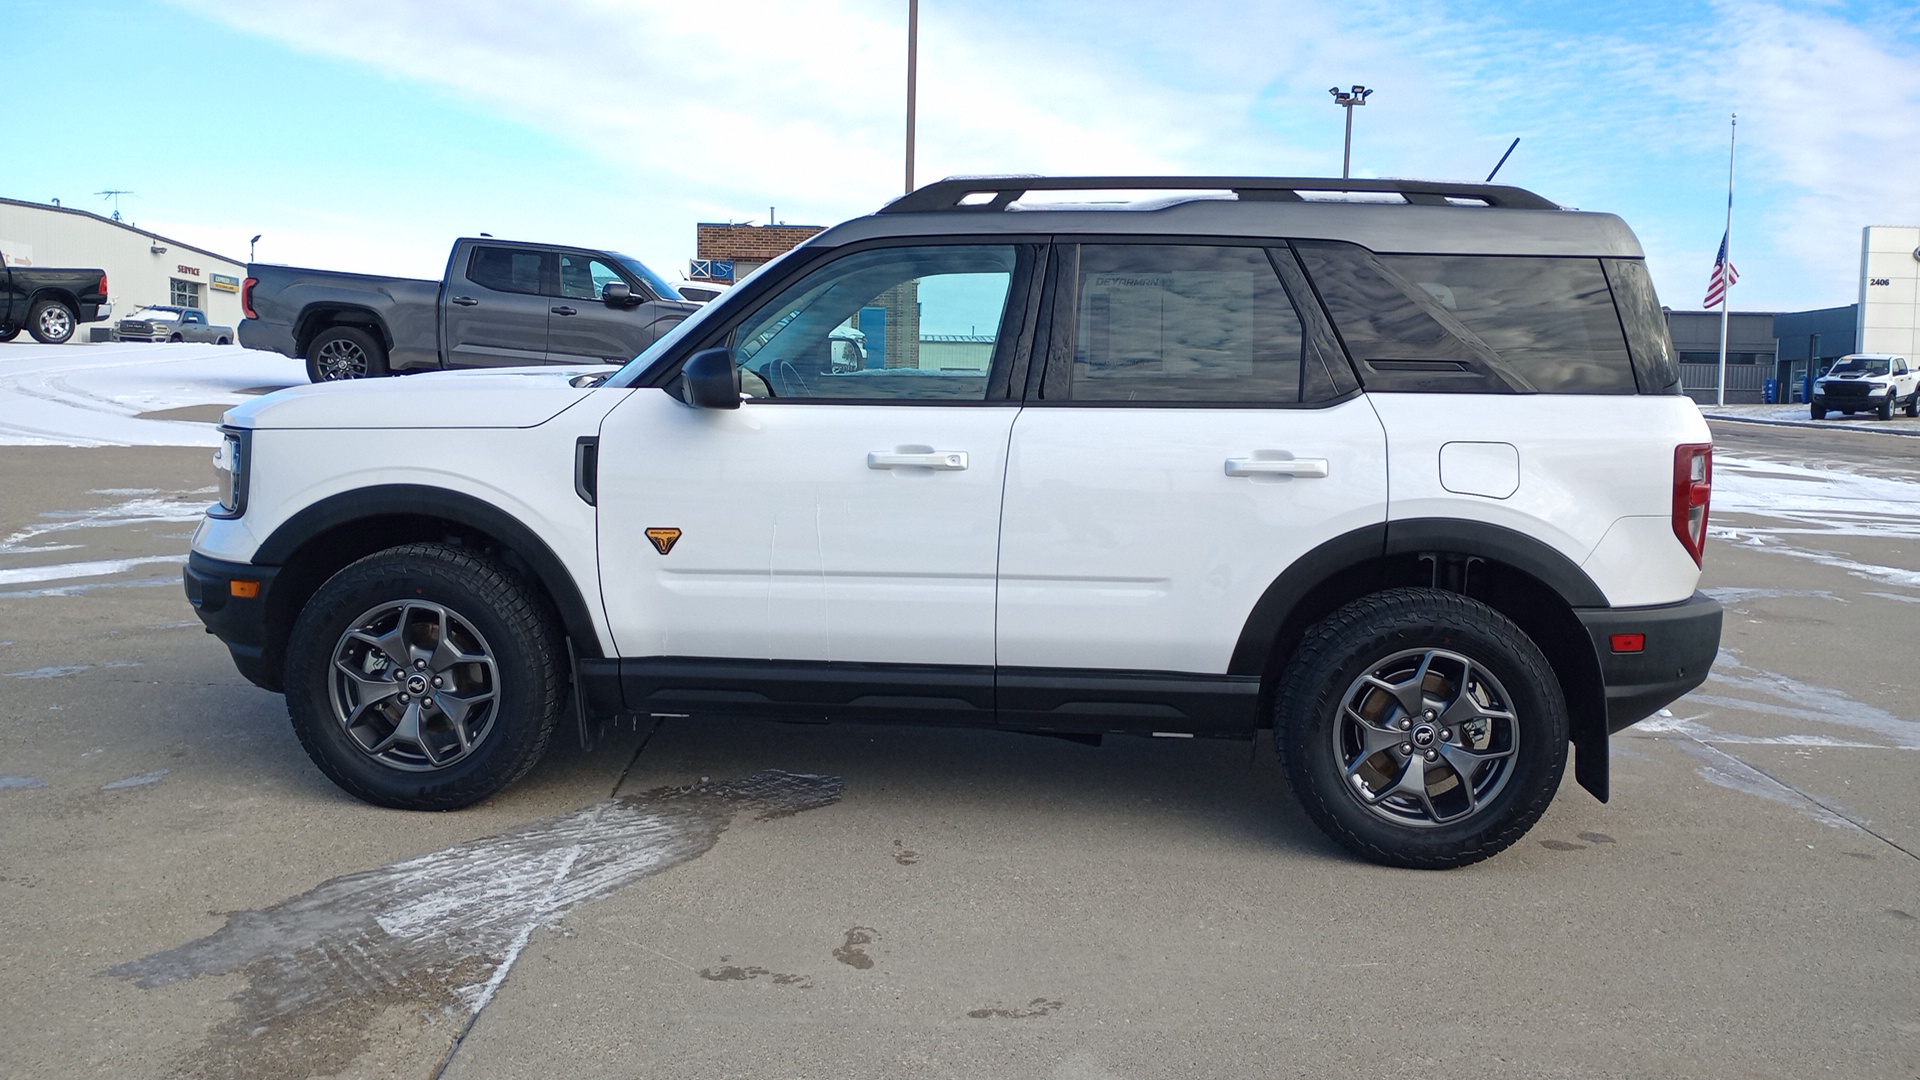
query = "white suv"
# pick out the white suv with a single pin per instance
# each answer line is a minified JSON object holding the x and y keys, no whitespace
{"x":1867,"y":382}
{"x":1400,"y":470}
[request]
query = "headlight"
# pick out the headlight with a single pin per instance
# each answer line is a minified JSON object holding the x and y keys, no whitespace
{"x":1878,"y":390}
{"x":232,"y":462}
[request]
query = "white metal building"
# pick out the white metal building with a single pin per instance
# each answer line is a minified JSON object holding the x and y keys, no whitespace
{"x":1889,"y":290}
{"x":142,"y":267}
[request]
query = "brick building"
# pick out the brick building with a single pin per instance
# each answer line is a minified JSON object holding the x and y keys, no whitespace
{"x":746,"y":247}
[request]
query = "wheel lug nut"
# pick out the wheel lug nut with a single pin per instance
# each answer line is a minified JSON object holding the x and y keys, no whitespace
{"x":1405,"y":723}
{"x":403,"y":699}
{"x":1429,"y":714}
{"x":1433,"y":755}
{"x":1445,"y":733}
{"x":1406,"y":748}
{"x":422,"y":664}
{"x":436,"y":681}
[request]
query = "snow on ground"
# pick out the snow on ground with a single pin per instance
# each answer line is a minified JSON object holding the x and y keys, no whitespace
{"x":95,"y":395}
{"x":1786,"y":509}
{"x":1800,"y":415}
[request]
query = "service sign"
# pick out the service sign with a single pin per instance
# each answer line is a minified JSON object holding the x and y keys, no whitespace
{"x":225,"y":283}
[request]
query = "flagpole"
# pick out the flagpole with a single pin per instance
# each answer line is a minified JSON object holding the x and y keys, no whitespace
{"x":1727,"y":272}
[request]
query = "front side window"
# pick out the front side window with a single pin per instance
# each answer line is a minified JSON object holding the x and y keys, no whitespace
{"x":582,"y":277}
{"x":511,"y":270}
{"x":1173,"y":323}
{"x":894,"y":324}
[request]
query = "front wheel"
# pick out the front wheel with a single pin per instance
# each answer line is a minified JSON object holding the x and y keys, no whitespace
{"x":1885,"y":410}
{"x":9,"y":331}
{"x":1819,"y":412}
{"x":425,"y":677}
{"x":1421,"y":729}
{"x":345,"y":352}
{"x":51,"y":322}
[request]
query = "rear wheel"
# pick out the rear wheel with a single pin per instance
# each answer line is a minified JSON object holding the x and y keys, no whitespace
{"x":425,"y":677}
{"x":345,"y":352}
{"x":1421,"y":729}
{"x":1913,"y":403}
{"x":51,"y":322}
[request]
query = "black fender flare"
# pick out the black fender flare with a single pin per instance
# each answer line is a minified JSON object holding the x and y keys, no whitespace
{"x":1378,"y":545}
{"x":422,"y":501}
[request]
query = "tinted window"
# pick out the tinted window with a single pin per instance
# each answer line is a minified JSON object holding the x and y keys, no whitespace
{"x":913,"y":323}
{"x":516,"y":270}
{"x":1647,"y":339}
{"x":1551,"y":321}
{"x":1180,"y":323}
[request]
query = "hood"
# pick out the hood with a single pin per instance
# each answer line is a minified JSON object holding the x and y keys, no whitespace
{"x":488,"y":398}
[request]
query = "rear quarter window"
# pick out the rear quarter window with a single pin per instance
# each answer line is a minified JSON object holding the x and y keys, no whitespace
{"x":1477,"y":323}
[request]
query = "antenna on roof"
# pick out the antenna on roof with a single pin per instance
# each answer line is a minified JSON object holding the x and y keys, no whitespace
{"x":1503,"y":158}
{"x":115,"y":196}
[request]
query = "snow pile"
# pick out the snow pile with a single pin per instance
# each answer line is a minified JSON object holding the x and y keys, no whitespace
{"x":94,"y":395}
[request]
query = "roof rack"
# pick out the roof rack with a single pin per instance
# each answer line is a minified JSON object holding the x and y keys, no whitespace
{"x":966,"y":192}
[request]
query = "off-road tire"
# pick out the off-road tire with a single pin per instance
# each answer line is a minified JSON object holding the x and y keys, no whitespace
{"x":1365,"y":637}
{"x":9,"y":331}
{"x":1913,"y":403}
{"x":1885,"y":411}
{"x":52,"y":322}
{"x":500,"y":614}
{"x":345,"y":352}
{"x":1819,"y":412}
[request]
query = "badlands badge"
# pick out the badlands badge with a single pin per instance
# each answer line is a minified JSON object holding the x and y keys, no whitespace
{"x":663,"y":539}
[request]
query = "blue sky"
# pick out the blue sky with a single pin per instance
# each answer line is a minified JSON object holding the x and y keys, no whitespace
{"x":367,"y":134}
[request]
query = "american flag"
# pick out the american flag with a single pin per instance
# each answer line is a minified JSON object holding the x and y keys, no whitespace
{"x":1724,"y":274}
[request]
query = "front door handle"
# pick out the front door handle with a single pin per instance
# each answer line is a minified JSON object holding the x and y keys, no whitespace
{"x":464,"y":301}
{"x":563,"y":311}
{"x":944,"y":460}
{"x":1241,"y":466}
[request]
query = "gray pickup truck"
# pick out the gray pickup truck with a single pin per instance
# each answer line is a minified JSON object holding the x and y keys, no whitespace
{"x":50,"y":303}
{"x":500,"y":304}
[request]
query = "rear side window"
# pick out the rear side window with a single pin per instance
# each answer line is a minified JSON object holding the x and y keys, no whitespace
{"x":1467,"y":323}
{"x":1178,"y":323}
{"x":1646,"y":325}
{"x":514,"y":270}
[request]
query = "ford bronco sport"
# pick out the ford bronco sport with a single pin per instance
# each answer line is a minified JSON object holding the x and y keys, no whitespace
{"x":1399,"y":470}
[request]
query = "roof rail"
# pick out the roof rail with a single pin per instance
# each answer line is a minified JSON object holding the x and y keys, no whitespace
{"x":965,"y":192}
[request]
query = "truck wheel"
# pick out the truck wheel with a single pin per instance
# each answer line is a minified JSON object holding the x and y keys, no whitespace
{"x":51,"y":322}
{"x":222,"y":341}
{"x":1421,"y":729}
{"x":425,"y":677}
{"x":1886,"y":409}
{"x":1819,"y":412}
{"x":176,"y":337}
{"x":1913,"y":403}
{"x":345,"y":352}
{"x":9,"y":331}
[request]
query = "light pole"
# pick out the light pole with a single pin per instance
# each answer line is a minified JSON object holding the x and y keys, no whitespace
{"x":1347,"y":99}
{"x":913,"y":51}
{"x":251,"y":243}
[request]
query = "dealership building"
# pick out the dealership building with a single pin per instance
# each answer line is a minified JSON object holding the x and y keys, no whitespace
{"x":142,"y":267}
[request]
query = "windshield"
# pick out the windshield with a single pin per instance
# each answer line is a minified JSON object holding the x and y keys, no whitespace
{"x":156,"y":315}
{"x":1862,"y":365}
{"x":654,"y":281}
{"x":636,"y":367}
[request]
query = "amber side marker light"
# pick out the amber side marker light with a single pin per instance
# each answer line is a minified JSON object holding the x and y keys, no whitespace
{"x":1621,"y":642}
{"x":247,"y":590}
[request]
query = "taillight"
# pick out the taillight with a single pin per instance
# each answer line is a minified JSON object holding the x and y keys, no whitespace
{"x":1692,"y":490}
{"x":103,"y":285}
{"x":246,"y":297}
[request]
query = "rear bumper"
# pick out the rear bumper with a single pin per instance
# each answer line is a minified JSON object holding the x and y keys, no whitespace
{"x":1681,"y":641}
{"x":240,"y":622}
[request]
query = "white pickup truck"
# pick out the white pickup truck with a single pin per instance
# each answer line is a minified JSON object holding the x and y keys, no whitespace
{"x":1867,"y":382}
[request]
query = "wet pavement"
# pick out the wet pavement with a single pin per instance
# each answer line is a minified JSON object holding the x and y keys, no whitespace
{"x":183,"y":894}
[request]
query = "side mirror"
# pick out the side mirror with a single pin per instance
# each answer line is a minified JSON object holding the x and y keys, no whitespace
{"x":710,"y":381}
{"x":617,"y":294}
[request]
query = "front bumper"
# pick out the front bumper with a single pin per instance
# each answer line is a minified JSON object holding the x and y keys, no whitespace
{"x":1681,"y":641}
{"x":239,"y":621}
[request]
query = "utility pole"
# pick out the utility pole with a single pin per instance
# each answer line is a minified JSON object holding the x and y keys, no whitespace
{"x":1348,"y":99}
{"x":913,"y":50}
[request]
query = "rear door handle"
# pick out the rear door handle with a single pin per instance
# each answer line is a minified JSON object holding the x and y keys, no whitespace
{"x":944,"y":460}
{"x":1241,"y":466}
{"x":563,"y":311}
{"x":464,"y":301}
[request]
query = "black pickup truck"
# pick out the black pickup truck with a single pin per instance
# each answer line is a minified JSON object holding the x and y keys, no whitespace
{"x":48,"y":303}
{"x":500,"y":304}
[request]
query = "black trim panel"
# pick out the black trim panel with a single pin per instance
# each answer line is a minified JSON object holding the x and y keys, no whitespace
{"x":239,"y":622}
{"x":1500,"y":544}
{"x":1057,"y":699}
{"x":418,"y":500}
{"x":1682,"y":641}
{"x":808,"y":689}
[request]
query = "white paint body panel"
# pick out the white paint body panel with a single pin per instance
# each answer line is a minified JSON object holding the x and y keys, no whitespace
{"x":792,"y":545}
{"x":1127,"y":544}
{"x":526,"y":474}
{"x":1586,"y":462}
{"x":438,"y":400}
